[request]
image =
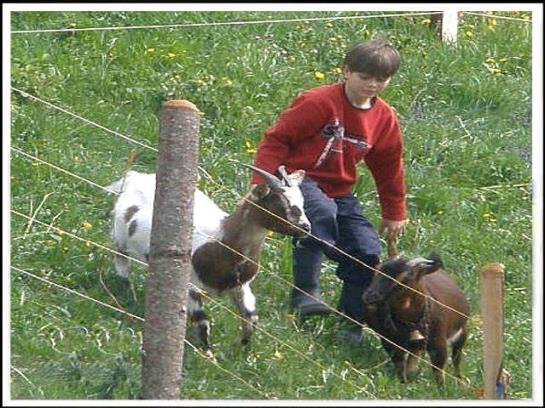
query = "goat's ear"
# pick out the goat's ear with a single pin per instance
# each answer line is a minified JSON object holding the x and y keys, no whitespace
{"x":259,"y":191}
{"x":297,"y":176}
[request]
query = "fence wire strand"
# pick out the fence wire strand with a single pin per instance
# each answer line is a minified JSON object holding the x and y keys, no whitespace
{"x":195,"y":349}
{"x":225,"y":23}
{"x":214,"y":301}
{"x":351,"y":257}
{"x":224,"y":307}
{"x":211,"y":24}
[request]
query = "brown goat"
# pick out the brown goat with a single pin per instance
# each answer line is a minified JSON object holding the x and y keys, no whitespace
{"x":397,"y":313}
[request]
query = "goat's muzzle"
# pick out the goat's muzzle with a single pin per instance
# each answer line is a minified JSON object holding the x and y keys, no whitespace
{"x":303,"y":230}
{"x":371,"y":298}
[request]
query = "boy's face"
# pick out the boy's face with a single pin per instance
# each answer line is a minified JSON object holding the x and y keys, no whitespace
{"x":364,"y":86}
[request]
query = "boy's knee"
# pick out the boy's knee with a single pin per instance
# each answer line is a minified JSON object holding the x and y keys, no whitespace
{"x":358,"y":271}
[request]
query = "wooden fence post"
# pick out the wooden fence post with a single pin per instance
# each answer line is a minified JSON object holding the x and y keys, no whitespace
{"x":170,"y":251}
{"x":491,"y":282}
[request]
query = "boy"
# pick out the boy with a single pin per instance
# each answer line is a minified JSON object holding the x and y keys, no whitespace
{"x":326,"y":131}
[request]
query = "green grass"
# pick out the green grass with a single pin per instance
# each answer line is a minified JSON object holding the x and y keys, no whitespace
{"x":465,"y":129}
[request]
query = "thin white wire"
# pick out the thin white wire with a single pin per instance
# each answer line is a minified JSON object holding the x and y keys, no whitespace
{"x":58,"y":168}
{"x":149,"y":147}
{"x":325,"y":242}
{"x":224,"y":23}
{"x":203,"y":293}
{"x":498,"y":17}
{"x":201,"y":169}
{"x":195,"y":349}
{"x":83,"y":119}
{"x":230,"y":311}
{"x":77,"y":293}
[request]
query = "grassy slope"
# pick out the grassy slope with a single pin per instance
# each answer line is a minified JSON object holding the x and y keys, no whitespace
{"x":465,"y":129}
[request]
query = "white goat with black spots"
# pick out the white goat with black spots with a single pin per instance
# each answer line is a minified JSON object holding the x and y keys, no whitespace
{"x":216,"y":268}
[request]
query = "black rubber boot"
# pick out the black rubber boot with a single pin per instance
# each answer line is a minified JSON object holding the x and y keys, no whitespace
{"x":351,"y":304}
{"x":307,"y":262}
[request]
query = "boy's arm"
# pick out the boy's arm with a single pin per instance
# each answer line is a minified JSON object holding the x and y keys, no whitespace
{"x":385,"y":162}
{"x":300,"y":121}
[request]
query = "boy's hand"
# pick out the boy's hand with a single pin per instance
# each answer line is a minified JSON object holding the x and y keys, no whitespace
{"x":392,"y":229}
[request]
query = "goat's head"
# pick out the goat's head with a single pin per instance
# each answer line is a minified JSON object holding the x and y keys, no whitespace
{"x":402,"y":269}
{"x":282,"y":202}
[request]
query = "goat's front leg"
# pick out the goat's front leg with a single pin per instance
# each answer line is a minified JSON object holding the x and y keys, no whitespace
{"x":198,"y":318}
{"x":244,"y":299}
{"x":398,"y":358}
{"x":122,"y":264}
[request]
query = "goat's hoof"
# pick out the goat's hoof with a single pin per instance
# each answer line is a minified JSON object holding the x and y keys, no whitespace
{"x":210,"y":356}
{"x":244,"y":341}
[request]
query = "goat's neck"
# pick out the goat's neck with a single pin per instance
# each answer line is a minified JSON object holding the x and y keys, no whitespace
{"x":241,"y":232}
{"x":411,"y":305}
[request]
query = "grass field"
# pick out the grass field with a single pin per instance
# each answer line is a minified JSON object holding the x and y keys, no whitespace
{"x":465,"y":113}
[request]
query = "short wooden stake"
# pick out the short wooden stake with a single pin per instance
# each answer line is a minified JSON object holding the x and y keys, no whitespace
{"x":491,"y":282}
{"x":447,"y":25}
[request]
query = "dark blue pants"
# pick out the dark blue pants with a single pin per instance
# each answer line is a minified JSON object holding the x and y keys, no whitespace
{"x":340,"y":222}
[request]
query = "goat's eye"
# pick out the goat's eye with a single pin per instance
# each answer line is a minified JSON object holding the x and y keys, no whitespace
{"x":295,"y":211}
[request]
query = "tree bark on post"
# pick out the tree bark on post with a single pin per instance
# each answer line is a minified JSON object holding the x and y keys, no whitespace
{"x":170,"y":251}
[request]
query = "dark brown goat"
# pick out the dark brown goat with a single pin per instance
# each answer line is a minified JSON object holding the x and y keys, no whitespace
{"x":397,"y":313}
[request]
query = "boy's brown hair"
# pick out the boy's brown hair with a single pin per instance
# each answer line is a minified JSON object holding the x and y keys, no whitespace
{"x":376,"y":57}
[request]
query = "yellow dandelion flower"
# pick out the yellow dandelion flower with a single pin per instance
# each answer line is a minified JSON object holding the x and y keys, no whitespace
{"x":227,"y":81}
{"x":278,"y":355}
{"x":337,"y":70}
{"x":494,"y":71}
{"x":250,"y":148}
{"x":319,"y":75}
{"x":503,"y":59}
{"x":171,"y":55}
{"x":490,"y":59}
{"x":426,"y":21}
{"x":468,"y":34}
{"x":149,"y":50}
{"x":87,"y":225}
{"x":35,"y":164}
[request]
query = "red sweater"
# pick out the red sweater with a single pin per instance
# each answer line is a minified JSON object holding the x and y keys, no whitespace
{"x":322,"y":133}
